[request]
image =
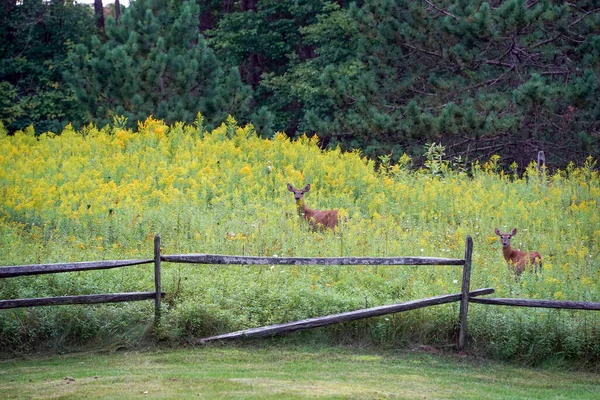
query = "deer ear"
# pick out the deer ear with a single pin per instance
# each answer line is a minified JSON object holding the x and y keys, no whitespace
{"x":306,"y":188}
{"x":290,"y":188}
{"x":513,"y":232}
{"x":498,"y":232}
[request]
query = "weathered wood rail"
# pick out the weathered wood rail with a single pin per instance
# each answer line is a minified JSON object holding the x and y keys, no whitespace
{"x":81,"y":299}
{"x":252,"y":260}
{"x":561,"y":304}
{"x":39,"y":269}
{"x":344,"y":317}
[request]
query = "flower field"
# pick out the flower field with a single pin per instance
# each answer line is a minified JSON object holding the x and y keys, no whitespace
{"x":103,"y":194}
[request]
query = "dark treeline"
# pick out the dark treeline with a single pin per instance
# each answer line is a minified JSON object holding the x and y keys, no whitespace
{"x":507,"y":77}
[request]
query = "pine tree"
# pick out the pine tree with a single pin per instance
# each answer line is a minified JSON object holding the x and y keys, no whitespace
{"x":156,"y":62}
{"x":510,"y":77}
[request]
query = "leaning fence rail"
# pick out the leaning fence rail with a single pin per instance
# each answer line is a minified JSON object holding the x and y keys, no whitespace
{"x":344,"y":317}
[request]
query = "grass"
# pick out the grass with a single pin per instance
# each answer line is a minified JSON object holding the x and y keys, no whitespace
{"x":284,"y":371}
{"x":103,"y":194}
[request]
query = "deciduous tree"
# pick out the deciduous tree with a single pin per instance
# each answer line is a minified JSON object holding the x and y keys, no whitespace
{"x":35,"y":37}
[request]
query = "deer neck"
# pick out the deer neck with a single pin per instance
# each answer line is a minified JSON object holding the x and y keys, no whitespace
{"x":303,"y":211}
{"x":507,"y":251}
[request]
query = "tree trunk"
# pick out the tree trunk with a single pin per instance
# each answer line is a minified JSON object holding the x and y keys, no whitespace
{"x":248,"y":5}
{"x":99,"y":11}
{"x":251,"y":68}
{"x":205,"y":20}
{"x":227,"y":6}
{"x":117,"y":11}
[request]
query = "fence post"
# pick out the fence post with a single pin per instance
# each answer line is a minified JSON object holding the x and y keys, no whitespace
{"x":541,"y":160}
{"x":157,"y":279}
{"x":464,"y":301}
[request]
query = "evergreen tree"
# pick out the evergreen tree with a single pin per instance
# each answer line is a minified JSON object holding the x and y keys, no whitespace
{"x":509,"y":77}
{"x":35,"y":38}
{"x":155,"y":62}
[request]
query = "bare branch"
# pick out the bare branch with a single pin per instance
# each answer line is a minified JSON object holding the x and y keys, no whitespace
{"x":441,"y":10}
{"x":424,"y":51}
{"x":594,"y":11}
{"x":489,"y":82}
{"x":492,"y":62}
{"x":546,"y":41}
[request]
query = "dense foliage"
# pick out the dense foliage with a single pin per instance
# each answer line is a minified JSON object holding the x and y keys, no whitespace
{"x":103,"y":194}
{"x":35,"y":39}
{"x":155,"y":62}
{"x":509,"y":77}
{"x":384,"y":76}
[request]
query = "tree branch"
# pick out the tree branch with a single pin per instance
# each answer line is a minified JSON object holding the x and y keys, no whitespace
{"x":431,"y":53}
{"x":546,"y":41}
{"x":441,"y":10}
{"x":583,"y":16}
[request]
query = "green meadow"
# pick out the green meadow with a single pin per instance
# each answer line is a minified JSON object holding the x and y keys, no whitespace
{"x":103,"y":195}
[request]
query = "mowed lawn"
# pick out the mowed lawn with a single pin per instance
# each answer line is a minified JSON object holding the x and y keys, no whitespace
{"x":284,"y":372}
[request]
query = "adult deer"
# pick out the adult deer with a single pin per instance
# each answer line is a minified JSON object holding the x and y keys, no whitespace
{"x":518,"y":259}
{"x":317,"y":218}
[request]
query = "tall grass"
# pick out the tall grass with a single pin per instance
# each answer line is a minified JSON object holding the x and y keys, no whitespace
{"x":103,"y":194}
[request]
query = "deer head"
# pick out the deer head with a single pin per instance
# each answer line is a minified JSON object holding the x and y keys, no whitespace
{"x":505,"y":237}
{"x":298,"y":193}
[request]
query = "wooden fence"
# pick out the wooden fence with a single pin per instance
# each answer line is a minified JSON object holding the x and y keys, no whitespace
{"x":462,"y":297}
{"x":39,"y":269}
{"x":465,"y":297}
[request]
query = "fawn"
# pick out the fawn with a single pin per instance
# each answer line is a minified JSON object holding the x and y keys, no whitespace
{"x":317,"y":218}
{"x":515,"y":258}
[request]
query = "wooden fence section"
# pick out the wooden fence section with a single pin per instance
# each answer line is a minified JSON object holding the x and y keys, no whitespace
{"x":463,"y":297}
{"x":39,"y":269}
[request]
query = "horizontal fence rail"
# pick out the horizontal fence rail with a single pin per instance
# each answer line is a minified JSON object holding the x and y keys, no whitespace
{"x":253,"y":260}
{"x":561,"y":304}
{"x":81,"y":299}
{"x":38,"y":269}
{"x":344,"y":317}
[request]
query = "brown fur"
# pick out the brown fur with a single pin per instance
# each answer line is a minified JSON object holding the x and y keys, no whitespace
{"x":518,"y":259}
{"x":318,"y":219}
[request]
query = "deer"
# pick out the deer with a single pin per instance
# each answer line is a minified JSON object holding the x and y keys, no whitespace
{"x":318,"y":219}
{"x":518,"y":259}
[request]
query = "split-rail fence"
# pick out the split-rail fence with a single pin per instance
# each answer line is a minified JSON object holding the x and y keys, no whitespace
{"x":464,"y":297}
